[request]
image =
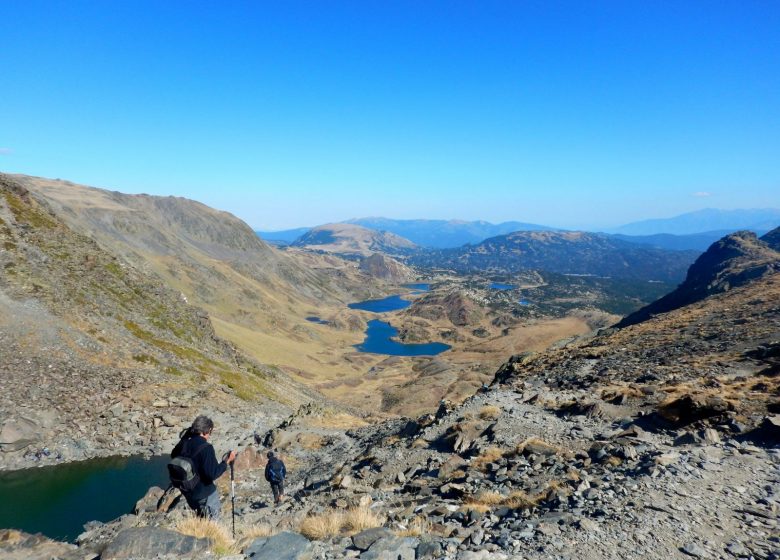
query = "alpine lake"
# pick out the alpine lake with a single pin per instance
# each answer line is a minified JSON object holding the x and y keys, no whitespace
{"x":380,"y":334}
{"x":58,"y":500}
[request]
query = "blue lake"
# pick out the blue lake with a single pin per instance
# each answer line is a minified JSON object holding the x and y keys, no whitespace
{"x":391,"y":303}
{"x":317,"y":320}
{"x":378,"y":341}
{"x":423,"y":287}
{"x":500,"y":286}
{"x":59,"y":499}
{"x":523,"y":302}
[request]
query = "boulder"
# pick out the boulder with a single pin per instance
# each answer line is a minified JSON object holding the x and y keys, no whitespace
{"x":250,"y":458}
{"x":140,"y":543}
{"x":364,"y":539}
{"x":149,"y":502}
{"x":284,"y":546}
{"x":392,"y":548}
{"x":18,"y":433}
{"x":429,"y":549}
{"x":16,"y":545}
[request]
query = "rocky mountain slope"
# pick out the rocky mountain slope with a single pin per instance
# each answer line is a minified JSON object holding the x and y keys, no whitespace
{"x":98,"y":356}
{"x":658,"y":440}
{"x":386,"y":268}
{"x":257,"y":296}
{"x":351,"y":239}
{"x":562,"y":252}
{"x":732,"y":261}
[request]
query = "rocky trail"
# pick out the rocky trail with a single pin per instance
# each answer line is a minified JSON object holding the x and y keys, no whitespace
{"x":496,"y":477}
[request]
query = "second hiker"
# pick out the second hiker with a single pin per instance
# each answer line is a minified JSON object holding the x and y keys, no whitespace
{"x":275,"y":472}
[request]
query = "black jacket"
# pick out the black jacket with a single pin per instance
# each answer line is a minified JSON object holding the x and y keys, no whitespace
{"x":277,"y":466}
{"x":205,"y":463}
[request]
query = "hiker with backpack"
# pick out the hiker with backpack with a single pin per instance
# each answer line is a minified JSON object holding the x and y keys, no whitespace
{"x":194,"y":468}
{"x":275,"y":472}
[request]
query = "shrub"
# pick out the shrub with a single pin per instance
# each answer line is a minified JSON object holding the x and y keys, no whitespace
{"x":332,"y":523}
{"x":489,"y":412}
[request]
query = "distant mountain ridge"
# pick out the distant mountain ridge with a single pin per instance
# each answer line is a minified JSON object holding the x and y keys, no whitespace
{"x":352,"y":239}
{"x":443,"y":234}
{"x":707,"y":220}
{"x":563,"y":252}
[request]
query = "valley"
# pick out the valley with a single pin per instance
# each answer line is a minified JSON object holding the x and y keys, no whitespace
{"x":549,"y":398}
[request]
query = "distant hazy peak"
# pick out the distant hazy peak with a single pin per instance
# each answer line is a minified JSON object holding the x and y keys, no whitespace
{"x":708,"y":219}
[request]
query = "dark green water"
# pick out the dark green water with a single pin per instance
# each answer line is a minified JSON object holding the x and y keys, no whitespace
{"x":58,"y":500}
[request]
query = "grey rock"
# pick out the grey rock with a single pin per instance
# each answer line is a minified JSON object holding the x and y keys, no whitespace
{"x":738,"y":549}
{"x":365,"y":539}
{"x":284,"y":546}
{"x":139,"y":543}
{"x":392,"y":548}
{"x":429,"y":549}
{"x":693,"y":549}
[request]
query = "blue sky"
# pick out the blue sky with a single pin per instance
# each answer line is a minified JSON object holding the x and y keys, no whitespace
{"x":572,"y":114}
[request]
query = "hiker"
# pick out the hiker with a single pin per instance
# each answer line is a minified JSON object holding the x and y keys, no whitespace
{"x":275,"y":472}
{"x":194,"y":468}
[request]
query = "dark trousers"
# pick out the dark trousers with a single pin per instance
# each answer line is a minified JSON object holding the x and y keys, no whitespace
{"x":278,"y":490}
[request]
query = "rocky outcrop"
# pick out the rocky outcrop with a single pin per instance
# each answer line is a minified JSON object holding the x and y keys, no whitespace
{"x":142,"y":543}
{"x":385,"y":268}
{"x":731,"y":262}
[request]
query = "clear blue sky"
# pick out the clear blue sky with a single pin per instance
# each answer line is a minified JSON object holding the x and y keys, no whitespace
{"x":572,"y":114}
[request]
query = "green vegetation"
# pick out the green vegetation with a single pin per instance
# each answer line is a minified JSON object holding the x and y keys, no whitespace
{"x":27,"y":214}
{"x":146,"y":359}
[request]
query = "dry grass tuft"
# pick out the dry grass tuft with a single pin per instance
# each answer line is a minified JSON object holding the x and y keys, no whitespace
{"x":248,"y":534}
{"x":310,"y":441}
{"x":489,"y":455}
{"x":332,"y":523}
{"x":360,"y":518}
{"x":537,"y":445}
{"x":321,"y":527}
{"x":335,"y":420}
{"x":417,"y":527}
{"x":221,"y":541}
{"x":489,"y":412}
{"x":518,"y":499}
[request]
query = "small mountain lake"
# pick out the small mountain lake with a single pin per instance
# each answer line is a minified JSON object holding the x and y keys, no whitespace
{"x":379,"y":341}
{"x":390,"y":303}
{"x":315,"y":319}
{"x":500,"y":286}
{"x":57,"y":500}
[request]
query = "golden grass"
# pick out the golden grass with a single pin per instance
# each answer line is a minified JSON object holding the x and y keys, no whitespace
{"x":310,"y":441}
{"x":489,"y":412}
{"x":248,"y":534}
{"x":489,"y":455}
{"x":335,"y":420}
{"x":518,"y":499}
{"x":537,"y":442}
{"x":332,"y":523}
{"x":417,"y":527}
{"x":221,"y":541}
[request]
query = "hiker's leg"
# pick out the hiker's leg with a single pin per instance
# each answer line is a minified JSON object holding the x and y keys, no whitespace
{"x":275,"y":488}
{"x":212,"y":507}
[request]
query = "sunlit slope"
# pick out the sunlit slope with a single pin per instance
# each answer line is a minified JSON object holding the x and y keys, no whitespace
{"x":257,"y":295}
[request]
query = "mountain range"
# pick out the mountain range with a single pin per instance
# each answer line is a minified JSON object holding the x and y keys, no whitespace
{"x":707,"y":220}
{"x":691,"y":231}
{"x":576,"y":253}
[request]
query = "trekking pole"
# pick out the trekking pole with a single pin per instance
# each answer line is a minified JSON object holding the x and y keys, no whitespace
{"x":233,"y":497}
